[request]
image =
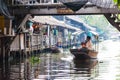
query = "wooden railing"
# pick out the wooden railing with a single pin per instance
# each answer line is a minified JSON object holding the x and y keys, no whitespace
{"x":32,"y":2}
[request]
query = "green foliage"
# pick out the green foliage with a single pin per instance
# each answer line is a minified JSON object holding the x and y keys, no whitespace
{"x":95,"y":20}
{"x":34,"y":60}
{"x":118,"y":16}
{"x":100,"y":22}
{"x":117,"y":2}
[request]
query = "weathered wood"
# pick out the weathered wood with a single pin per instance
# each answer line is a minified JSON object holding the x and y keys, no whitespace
{"x":2,"y":24}
{"x":22,"y":25}
{"x":18,"y":43}
{"x":10,"y":27}
{"x":5,"y":26}
{"x":45,"y":9}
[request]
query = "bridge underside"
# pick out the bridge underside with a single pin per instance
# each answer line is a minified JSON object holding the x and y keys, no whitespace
{"x":60,"y":9}
{"x":48,"y":9}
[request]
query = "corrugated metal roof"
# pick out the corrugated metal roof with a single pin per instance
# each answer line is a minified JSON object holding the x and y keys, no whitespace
{"x":52,"y":21}
{"x":77,"y":32}
{"x":45,"y":20}
{"x":80,"y":21}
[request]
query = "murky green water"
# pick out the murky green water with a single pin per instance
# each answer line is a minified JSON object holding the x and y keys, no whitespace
{"x":63,"y":67}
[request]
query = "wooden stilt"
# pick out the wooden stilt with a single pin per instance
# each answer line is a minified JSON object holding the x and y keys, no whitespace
{"x":19,"y":46}
{"x":25,"y":44}
{"x":10,"y":27}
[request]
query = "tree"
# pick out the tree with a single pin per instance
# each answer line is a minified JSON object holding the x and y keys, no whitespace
{"x":96,"y":20}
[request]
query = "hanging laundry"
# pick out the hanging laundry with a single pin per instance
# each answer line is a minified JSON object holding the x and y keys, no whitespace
{"x":31,"y":28}
{"x":69,"y":35}
{"x":45,"y":31}
{"x":55,"y":31}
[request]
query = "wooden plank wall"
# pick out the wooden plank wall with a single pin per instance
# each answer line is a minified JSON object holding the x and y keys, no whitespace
{"x":2,"y":24}
{"x":5,"y":26}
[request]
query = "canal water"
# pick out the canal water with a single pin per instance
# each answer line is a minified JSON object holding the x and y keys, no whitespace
{"x":62,"y":66}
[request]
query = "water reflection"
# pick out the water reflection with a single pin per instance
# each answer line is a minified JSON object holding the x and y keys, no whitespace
{"x":84,"y":64}
{"x":46,"y":66}
{"x":85,"y":69}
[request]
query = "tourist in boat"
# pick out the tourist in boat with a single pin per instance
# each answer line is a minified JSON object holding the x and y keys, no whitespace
{"x":88,"y":43}
{"x":83,"y":48}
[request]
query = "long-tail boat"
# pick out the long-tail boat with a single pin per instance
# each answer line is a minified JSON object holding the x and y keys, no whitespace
{"x":82,"y":55}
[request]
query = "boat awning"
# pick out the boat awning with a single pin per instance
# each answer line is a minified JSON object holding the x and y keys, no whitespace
{"x":80,"y":21}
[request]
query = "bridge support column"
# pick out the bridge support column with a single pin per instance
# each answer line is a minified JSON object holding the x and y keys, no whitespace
{"x":4,"y":59}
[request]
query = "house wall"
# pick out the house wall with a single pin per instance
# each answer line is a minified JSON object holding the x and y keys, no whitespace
{"x":15,"y":46}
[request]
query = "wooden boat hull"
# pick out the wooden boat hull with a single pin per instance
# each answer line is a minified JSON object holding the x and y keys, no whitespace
{"x":81,"y":55}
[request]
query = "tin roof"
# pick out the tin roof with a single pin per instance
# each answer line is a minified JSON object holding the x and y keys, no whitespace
{"x":52,"y":21}
{"x":80,"y":21}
